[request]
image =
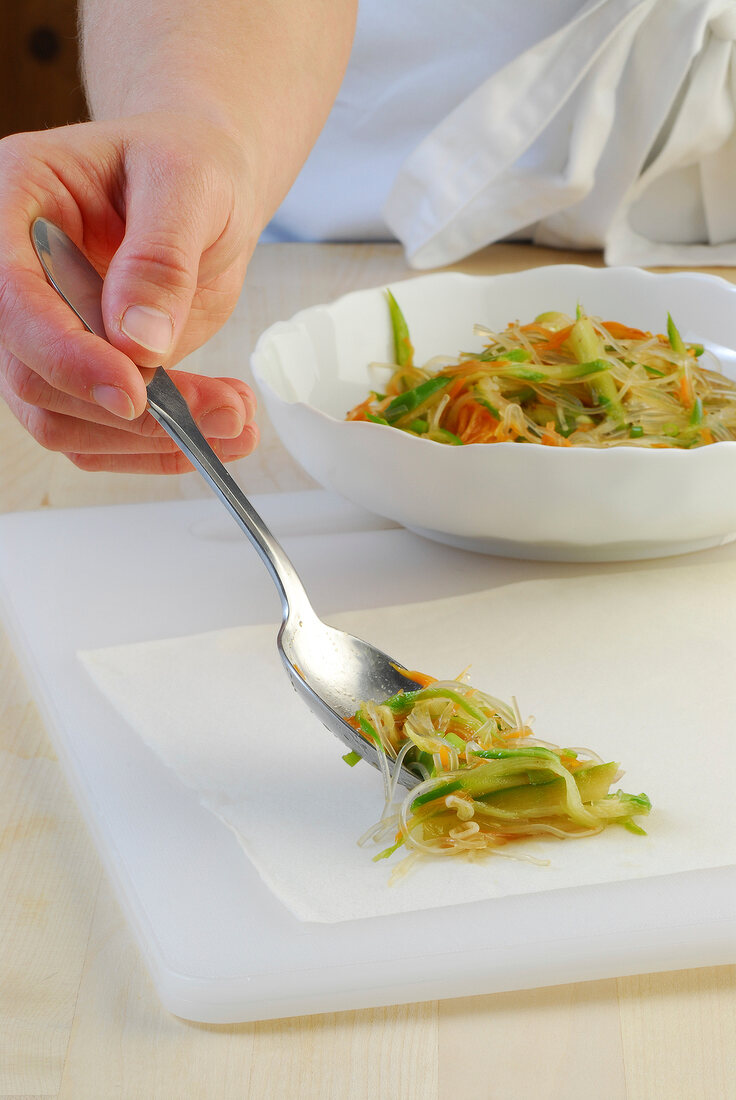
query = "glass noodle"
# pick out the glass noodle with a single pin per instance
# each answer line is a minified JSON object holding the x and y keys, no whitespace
{"x":486,"y":780}
{"x":559,"y":381}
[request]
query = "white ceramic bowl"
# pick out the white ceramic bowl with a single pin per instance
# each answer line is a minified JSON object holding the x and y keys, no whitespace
{"x":567,"y":504}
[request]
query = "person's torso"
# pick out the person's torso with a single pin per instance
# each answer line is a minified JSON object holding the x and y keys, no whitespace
{"x":412,"y":63}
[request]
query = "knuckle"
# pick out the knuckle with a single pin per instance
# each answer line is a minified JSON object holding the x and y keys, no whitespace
{"x":148,"y":427}
{"x":175,"y":463}
{"x":247,"y":396}
{"x":83,"y":462}
{"x":163,"y":261}
{"x":25,"y":383}
{"x":60,"y":364}
{"x":175,"y":164}
{"x":46,"y":429}
{"x":14,"y":150}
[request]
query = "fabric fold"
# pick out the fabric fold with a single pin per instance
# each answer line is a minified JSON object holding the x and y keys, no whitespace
{"x":568,"y":138}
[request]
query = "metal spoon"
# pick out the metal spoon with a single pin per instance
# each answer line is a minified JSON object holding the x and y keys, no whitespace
{"x":332,"y":671}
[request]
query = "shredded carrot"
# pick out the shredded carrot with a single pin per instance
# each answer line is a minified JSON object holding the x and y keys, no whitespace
{"x":552,"y":339}
{"x":555,"y":340}
{"x":707,"y":435}
{"x":475,"y":423}
{"x":536,"y":328}
{"x":358,"y":413}
{"x":456,"y":388}
{"x":623,"y":332}
{"x":420,"y":677}
{"x":685,"y":391}
{"x":552,"y":438}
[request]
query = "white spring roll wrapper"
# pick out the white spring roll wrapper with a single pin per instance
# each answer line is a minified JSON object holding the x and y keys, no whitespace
{"x":638,"y":667}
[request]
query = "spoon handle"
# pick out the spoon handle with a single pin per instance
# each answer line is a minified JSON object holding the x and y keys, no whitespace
{"x":168,"y":407}
{"x":73,"y":276}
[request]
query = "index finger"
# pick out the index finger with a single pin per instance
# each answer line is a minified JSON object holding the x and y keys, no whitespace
{"x":37,"y":327}
{"x":44,"y":333}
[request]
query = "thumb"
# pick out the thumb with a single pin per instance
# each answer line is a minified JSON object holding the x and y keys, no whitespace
{"x":152,"y":277}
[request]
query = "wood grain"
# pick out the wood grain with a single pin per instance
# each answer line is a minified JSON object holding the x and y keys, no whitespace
{"x":78,"y":1015}
{"x":572,"y":1031}
{"x":49,"y":877}
{"x":678,"y":1034}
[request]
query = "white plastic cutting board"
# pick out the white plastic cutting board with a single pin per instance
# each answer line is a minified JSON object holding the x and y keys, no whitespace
{"x":219,"y":946}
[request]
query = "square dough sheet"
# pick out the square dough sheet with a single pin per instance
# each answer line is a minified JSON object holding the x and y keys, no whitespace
{"x":638,"y":666}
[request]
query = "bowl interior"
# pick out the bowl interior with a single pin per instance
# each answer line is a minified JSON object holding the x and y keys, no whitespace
{"x":323,"y":356}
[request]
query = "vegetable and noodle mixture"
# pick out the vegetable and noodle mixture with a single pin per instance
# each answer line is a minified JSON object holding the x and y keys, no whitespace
{"x":486,"y":780}
{"x":559,"y":381}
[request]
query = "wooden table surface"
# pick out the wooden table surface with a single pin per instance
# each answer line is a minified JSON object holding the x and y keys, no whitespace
{"x":78,"y":1016}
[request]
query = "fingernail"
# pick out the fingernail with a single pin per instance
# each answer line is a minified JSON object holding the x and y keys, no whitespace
{"x":115,"y":400}
{"x":149,"y":327}
{"x":222,"y":423}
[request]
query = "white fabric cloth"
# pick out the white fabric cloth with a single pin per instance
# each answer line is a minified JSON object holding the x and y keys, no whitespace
{"x":612,"y":125}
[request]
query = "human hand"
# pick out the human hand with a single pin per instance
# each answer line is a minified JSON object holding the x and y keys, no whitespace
{"x":164,"y":207}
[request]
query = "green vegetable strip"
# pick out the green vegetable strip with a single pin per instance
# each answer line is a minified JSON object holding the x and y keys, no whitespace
{"x":443,"y":436}
{"x":676,"y":342}
{"x":405,"y":700}
{"x":491,"y":408}
{"x":621,"y":804}
{"x":526,"y":374}
{"x":408,"y":401}
{"x":514,"y":355}
{"x":569,"y":371}
{"x":403,"y":349}
{"x":438,"y":792}
{"x":536,"y":752}
{"x":553,"y":319}
{"x":389,"y":851}
{"x":369,"y":731}
{"x":587,"y":347}
{"x":481,"y":779}
{"x":548,"y":798}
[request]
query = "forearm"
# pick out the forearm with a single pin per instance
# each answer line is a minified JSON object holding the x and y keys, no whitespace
{"x":266,"y":70}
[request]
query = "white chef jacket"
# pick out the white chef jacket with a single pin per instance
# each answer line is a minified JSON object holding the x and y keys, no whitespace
{"x":601,"y":124}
